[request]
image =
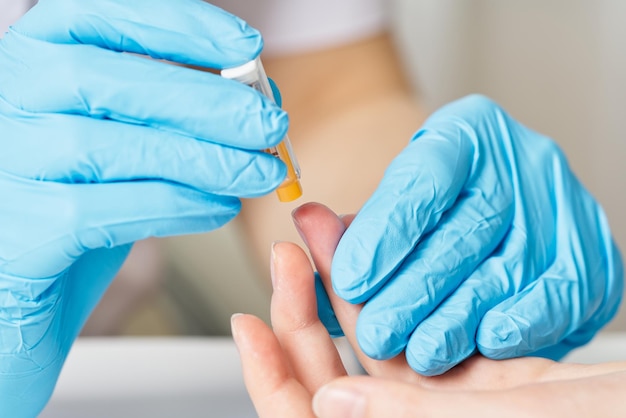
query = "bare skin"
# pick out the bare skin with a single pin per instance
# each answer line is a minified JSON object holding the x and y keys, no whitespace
{"x":351,"y":112}
{"x":295,"y":370}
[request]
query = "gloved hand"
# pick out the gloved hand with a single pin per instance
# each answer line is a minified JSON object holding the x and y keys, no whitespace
{"x":479,"y":237}
{"x":99,"y":148}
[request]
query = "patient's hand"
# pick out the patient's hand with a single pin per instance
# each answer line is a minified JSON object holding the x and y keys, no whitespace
{"x":285,"y":367}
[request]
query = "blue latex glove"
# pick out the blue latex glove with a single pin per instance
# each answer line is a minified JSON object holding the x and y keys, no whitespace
{"x":100,"y":148}
{"x":479,"y":237}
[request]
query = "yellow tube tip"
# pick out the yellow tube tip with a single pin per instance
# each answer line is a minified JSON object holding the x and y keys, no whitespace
{"x":289,"y":192}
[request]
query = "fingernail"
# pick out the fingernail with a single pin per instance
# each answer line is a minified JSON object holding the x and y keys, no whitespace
{"x":296,"y":223}
{"x":333,"y":402}
{"x":233,"y":325}
{"x":272,"y":261}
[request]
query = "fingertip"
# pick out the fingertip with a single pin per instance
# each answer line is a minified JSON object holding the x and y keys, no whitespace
{"x":345,"y":285}
{"x":240,"y":322}
{"x":232,"y":209}
{"x":275,"y":125}
{"x":234,"y":324}
{"x":378,"y":341}
{"x":340,"y":398}
{"x":427,"y":368}
{"x":305,"y":210}
{"x":250,"y":41}
{"x":431,"y":356}
{"x":318,"y":224}
{"x":272,"y":263}
{"x":467,"y":107}
{"x":499,"y":336}
{"x":277,"y":174}
{"x":260,"y":174}
{"x":288,"y":260}
{"x":299,"y":214}
{"x":537,"y":317}
{"x":357,"y":271}
{"x":190,"y":32}
{"x":476,"y":100}
{"x":241,"y":326}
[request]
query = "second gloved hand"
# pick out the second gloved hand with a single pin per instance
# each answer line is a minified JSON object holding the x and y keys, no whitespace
{"x":100,"y":147}
{"x":479,"y":238}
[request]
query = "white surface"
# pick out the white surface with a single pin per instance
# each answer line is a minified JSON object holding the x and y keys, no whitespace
{"x":606,"y":347}
{"x":157,"y":378}
{"x":151,"y":377}
{"x":186,"y":377}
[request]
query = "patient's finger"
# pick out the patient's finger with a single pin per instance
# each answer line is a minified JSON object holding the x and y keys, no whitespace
{"x":304,"y":339}
{"x":321,"y":230}
{"x":271,"y":385}
{"x":367,"y":397}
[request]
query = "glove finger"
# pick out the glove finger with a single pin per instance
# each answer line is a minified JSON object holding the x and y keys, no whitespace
{"x":188,"y":32}
{"x":447,"y":336}
{"x":450,"y":156}
{"x":24,"y":395}
{"x":574,"y":296}
{"x":537,"y":317}
{"x":59,"y":222}
{"x":466,"y":234}
{"x":102,"y":84}
{"x":85,"y":150}
{"x":564,"y":308}
{"x":82,"y":293}
{"x":419,"y":185}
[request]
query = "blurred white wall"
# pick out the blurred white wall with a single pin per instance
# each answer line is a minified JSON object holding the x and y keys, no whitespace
{"x":559,"y":66}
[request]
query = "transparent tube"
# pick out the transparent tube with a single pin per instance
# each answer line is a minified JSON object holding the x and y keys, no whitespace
{"x":253,"y":74}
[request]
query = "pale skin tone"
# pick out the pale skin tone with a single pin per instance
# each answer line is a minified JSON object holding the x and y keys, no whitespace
{"x":294,"y":369}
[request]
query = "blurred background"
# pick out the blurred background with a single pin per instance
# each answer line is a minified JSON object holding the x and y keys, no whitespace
{"x":557,"y":66}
